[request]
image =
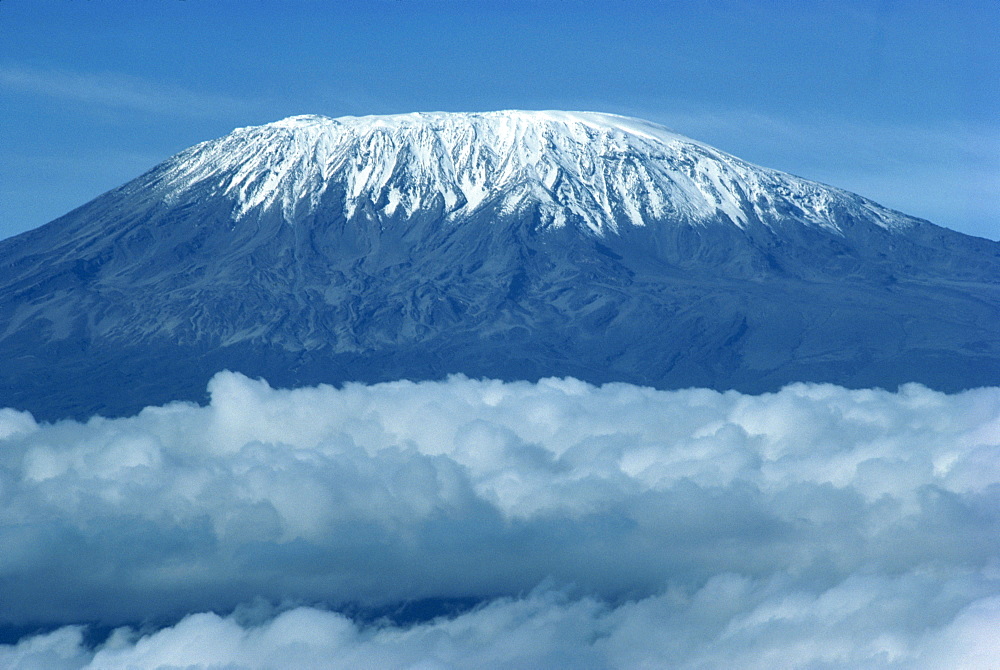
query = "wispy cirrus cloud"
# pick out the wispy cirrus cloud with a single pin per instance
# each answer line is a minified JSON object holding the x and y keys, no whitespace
{"x":115,"y":90}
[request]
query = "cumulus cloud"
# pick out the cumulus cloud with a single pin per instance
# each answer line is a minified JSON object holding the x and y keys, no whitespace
{"x":601,"y":527}
{"x":869,"y":622}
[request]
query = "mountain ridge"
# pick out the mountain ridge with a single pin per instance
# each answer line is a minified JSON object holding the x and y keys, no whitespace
{"x":292,"y":260}
{"x":560,"y":160}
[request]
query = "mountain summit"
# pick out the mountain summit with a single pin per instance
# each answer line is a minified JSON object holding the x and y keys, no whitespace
{"x":504,"y":244}
{"x":597,"y":171}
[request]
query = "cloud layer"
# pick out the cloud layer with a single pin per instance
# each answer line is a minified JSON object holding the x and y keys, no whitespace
{"x":600,"y":527}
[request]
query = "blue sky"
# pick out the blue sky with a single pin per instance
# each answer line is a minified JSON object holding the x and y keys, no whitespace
{"x":898,"y":101}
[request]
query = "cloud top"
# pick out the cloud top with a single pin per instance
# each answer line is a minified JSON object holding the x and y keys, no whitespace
{"x":609,"y":526}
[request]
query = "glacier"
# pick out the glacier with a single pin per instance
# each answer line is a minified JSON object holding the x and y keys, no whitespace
{"x":599,"y":170}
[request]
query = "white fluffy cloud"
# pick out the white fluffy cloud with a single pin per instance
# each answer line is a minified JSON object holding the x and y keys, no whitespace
{"x":607,"y":527}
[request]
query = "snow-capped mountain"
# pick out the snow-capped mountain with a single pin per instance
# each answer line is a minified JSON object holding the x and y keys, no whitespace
{"x":504,"y":244}
{"x":596,"y":170}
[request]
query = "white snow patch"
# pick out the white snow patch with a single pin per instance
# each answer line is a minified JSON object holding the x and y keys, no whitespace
{"x":592,"y":168}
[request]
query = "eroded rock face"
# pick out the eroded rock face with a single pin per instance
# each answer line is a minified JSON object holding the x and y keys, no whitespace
{"x":506,"y":244}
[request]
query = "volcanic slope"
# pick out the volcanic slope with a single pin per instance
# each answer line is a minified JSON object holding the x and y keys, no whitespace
{"x":514,"y":245}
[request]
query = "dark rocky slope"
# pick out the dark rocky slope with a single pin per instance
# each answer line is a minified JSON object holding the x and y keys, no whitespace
{"x":591,"y":246}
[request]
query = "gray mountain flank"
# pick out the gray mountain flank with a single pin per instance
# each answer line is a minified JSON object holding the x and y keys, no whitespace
{"x":513,"y":245}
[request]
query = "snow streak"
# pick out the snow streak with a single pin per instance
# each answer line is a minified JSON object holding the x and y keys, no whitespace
{"x":597,"y":171}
